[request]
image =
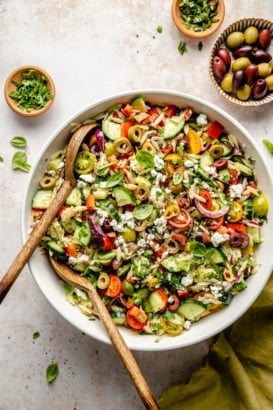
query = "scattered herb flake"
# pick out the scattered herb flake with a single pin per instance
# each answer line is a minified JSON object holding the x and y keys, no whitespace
{"x":269,"y":145}
{"x":19,"y":142}
{"x":52,"y":372}
{"x":159,"y":29}
{"x":1,"y":159}
{"x":19,"y":161}
{"x":35,"y":335}
{"x":200,"y":45}
{"x":31,"y":92}
{"x":198,"y":15}
{"x":182,"y":47}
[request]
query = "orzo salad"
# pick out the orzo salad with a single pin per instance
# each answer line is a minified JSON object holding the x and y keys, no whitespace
{"x":164,"y":220}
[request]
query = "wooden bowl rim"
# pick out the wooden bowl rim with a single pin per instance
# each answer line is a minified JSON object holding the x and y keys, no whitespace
{"x":196,"y":34}
{"x":9,"y":86}
{"x":239,"y":25}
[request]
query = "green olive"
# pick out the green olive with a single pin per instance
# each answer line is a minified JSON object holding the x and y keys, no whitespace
{"x":122,"y":145}
{"x":264,"y":70}
{"x":109,"y":149}
{"x":216,"y":151}
{"x":148,"y":146}
{"x":269,"y":82}
{"x":240,"y":63}
{"x":243,"y":93}
{"x":127,"y":288}
{"x":226,"y":83}
{"x":260,"y":205}
{"x":103,"y":281}
{"x":47,"y":182}
{"x":135,"y":133}
{"x":235,"y":39}
{"x":129,"y":235}
{"x":251,"y":35}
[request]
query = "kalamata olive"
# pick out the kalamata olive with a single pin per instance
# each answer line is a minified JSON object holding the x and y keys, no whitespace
{"x":269,"y":82}
{"x":219,"y":68}
{"x":238,"y":79}
{"x":243,"y":51}
{"x":259,"y":89}
{"x":251,"y":73}
{"x":258,"y":56}
{"x":235,"y":39}
{"x":244,"y":92}
{"x":224,"y":54}
{"x":202,"y":237}
{"x":264,"y":38}
{"x":240,"y":63}
{"x":239,"y":239}
{"x":251,"y":34}
{"x":226,"y":83}
{"x":220,"y":163}
{"x":264,"y":69}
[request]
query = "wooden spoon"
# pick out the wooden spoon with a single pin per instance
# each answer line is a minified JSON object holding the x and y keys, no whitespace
{"x":126,"y":356}
{"x":41,"y":227}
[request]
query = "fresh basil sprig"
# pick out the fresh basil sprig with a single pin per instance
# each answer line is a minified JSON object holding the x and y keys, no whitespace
{"x":19,"y":161}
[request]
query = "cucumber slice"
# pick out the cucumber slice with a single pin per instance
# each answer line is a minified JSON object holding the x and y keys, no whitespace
{"x":173,"y":126}
{"x":191,"y":309}
{"x":75,"y":197}
{"x":224,"y":176}
{"x":214,"y":255}
{"x":111,"y":129}
{"x":243,"y":169}
{"x":123,"y":196}
{"x":55,"y":248}
{"x":83,"y":234}
{"x":139,"y":104}
{"x":42,"y":199}
{"x":254,"y":233}
{"x":70,"y":225}
{"x":206,"y":160}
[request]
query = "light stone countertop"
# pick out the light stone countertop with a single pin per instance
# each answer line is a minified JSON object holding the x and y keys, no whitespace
{"x":92,"y":49}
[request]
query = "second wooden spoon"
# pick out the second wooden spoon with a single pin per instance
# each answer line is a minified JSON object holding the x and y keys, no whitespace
{"x":41,"y":227}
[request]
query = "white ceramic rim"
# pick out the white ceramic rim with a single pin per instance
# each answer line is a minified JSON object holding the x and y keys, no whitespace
{"x":209,"y":326}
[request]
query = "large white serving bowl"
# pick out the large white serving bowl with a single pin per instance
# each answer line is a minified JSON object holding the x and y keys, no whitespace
{"x":50,"y":284}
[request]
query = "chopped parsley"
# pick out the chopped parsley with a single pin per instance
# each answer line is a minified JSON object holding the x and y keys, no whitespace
{"x":31,"y":92}
{"x":1,"y":159}
{"x":159,"y":29}
{"x":35,"y":335}
{"x":52,"y":372}
{"x":182,"y":47}
{"x":200,"y":45}
{"x":269,"y":145}
{"x":199,"y":15}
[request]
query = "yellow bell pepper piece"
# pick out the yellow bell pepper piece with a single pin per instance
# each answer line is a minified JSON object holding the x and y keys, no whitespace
{"x":171,"y":211}
{"x":194,"y":142}
{"x":235,"y":213}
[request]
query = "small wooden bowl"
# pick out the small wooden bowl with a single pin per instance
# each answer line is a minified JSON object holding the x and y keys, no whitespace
{"x":198,"y":35}
{"x":240,"y":25}
{"x":16,"y":76}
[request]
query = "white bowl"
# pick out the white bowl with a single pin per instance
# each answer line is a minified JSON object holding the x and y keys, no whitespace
{"x":50,"y":284}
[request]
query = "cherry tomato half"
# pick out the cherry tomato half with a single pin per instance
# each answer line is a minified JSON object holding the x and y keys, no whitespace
{"x":136,"y":318}
{"x":115,"y":286}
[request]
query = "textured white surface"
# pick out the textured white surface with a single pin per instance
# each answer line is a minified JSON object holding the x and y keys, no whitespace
{"x":92,"y":48}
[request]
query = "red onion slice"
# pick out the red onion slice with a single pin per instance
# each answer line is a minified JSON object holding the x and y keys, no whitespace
{"x":211,"y":214}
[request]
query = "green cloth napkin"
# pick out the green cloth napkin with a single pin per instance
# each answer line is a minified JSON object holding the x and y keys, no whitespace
{"x":238,"y":374}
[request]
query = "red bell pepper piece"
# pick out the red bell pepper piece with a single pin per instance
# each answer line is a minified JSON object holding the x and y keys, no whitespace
{"x":215,"y":130}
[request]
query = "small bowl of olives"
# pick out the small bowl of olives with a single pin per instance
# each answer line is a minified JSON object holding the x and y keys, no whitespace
{"x":241,"y":62}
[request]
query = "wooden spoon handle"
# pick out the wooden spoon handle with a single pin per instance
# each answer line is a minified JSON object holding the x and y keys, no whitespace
{"x":33,"y":240}
{"x":123,"y":351}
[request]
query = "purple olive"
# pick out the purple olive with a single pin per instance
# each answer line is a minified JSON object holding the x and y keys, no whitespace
{"x":251,"y":73}
{"x":243,"y":51}
{"x":264,"y":38}
{"x":238,"y":79}
{"x":258,"y":56}
{"x":224,"y":54}
{"x":220,"y":163}
{"x":219,"y":68}
{"x":239,"y":239}
{"x":259,"y":89}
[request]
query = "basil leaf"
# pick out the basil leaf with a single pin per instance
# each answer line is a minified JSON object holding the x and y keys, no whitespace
{"x":145,"y":159}
{"x":52,"y":372}
{"x":18,"y":142}
{"x":19,"y":161}
{"x":114,"y":179}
